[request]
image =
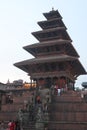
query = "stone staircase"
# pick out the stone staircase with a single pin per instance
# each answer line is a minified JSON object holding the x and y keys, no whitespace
{"x":9,"y":111}
{"x":68,"y":112}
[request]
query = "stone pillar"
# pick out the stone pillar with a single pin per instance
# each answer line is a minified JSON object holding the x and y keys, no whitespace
{"x":31,"y":82}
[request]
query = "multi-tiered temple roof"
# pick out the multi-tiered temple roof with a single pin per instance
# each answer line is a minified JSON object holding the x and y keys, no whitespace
{"x":54,"y":55}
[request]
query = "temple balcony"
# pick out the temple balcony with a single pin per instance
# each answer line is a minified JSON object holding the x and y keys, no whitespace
{"x":52,"y":74}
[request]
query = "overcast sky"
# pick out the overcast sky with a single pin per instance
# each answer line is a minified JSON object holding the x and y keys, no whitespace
{"x":18,"y":18}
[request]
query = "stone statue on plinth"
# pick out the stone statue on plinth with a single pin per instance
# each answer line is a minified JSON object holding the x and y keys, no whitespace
{"x":39,"y":120}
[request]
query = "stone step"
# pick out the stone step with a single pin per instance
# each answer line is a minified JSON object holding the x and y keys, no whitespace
{"x":18,"y":99}
{"x":68,"y":116}
{"x":6,"y":116}
{"x":67,"y":126}
{"x":21,"y":99}
{"x":68,"y":106}
{"x":64,"y":98}
{"x":67,"y":112}
{"x":12,"y":107}
{"x":29,"y":126}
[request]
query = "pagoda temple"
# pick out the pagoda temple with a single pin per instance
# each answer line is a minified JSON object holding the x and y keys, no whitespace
{"x":55,"y":64}
{"x":55,"y":59}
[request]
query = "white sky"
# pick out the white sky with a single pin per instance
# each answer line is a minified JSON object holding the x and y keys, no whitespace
{"x":18,"y":18}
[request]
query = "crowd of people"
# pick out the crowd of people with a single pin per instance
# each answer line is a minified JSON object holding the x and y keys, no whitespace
{"x":11,"y":125}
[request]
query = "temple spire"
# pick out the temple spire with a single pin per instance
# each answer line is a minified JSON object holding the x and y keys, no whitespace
{"x":52,"y":8}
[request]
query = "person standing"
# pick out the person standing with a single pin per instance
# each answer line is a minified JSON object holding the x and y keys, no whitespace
{"x":2,"y":125}
{"x":17,"y":125}
{"x":12,"y":126}
{"x":9,"y":125}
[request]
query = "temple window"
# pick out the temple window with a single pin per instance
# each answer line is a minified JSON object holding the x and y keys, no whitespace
{"x":47,"y":68}
{"x":61,"y":66}
{"x":53,"y":66}
{"x":57,"y":48}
